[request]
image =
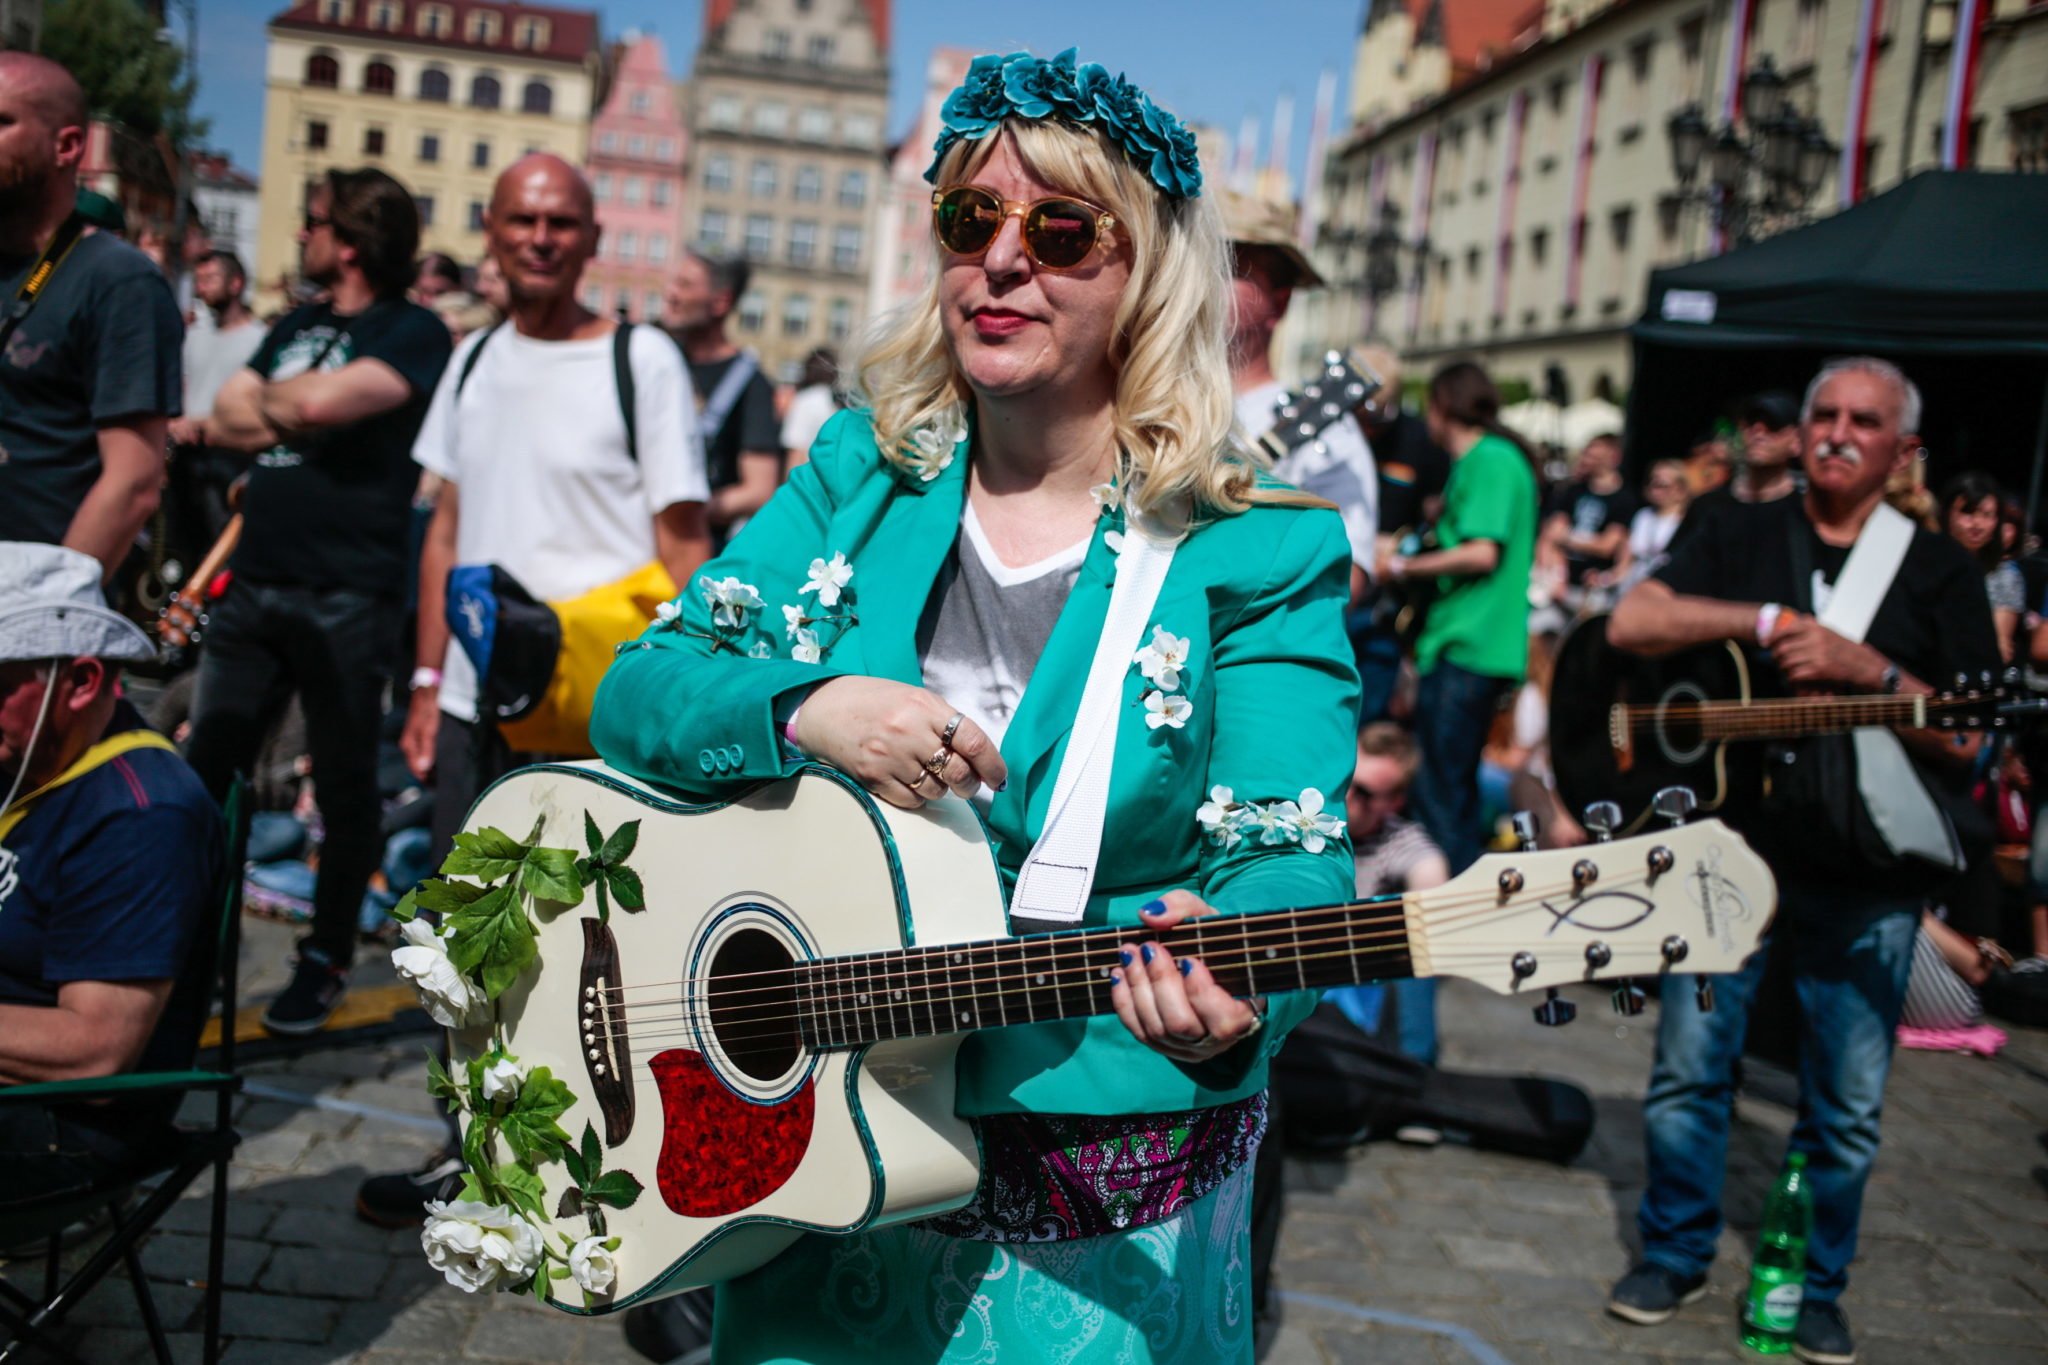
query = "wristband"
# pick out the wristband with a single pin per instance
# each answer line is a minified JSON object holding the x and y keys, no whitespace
{"x":1767,"y":622}
{"x":423,"y":677}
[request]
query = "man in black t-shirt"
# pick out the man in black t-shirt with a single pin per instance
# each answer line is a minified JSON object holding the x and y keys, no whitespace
{"x":1757,"y":575}
{"x":1766,"y":470}
{"x":1585,"y":525}
{"x":735,"y":403}
{"x":91,"y":375}
{"x":329,"y":406}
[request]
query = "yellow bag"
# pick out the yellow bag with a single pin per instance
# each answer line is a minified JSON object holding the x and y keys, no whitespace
{"x":593,"y":625}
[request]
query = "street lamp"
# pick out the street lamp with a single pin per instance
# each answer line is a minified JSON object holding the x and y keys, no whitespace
{"x":1383,"y":254}
{"x":1758,"y":179}
{"x":1688,"y":133}
{"x":1762,"y":91}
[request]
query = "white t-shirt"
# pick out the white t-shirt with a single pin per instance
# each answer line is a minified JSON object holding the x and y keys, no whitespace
{"x":809,"y":409}
{"x":212,"y":357}
{"x":537,"y":451}
{"x":1338,"y":465}
{"x":1649,"y":535}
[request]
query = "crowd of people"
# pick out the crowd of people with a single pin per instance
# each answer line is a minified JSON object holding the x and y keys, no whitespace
{"x":419,"y":449}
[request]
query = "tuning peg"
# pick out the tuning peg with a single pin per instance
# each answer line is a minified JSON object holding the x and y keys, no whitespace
{"x":1555,"y":1010}
{"x":1602,"y":818}
{"x":1674,"y":804}
{"x":1703,"y":993}
{"x":1526,"y":828}
{"x":1629,"y":999}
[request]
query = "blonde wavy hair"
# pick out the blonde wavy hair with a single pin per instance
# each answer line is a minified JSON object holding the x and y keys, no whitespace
{"x":1173,"y":411}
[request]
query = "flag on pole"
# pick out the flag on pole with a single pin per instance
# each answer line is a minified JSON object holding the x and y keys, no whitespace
{"x":1856,"y":121}
{"x":1962,"y":85}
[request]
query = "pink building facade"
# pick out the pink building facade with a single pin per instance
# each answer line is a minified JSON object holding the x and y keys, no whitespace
{"x":903,"y":256}
{"x":635,"y":169}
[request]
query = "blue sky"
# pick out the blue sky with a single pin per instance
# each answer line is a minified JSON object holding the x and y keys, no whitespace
{"x":1207,"y":61}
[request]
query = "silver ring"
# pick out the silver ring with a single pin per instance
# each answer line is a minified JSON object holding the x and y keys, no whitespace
{"x":952,"y":729}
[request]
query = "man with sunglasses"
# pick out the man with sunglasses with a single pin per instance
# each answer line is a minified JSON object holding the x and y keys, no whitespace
{"x":329,"y":408}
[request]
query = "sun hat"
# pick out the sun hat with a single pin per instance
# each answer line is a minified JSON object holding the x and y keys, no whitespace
{"x":1251,"y":221}
{"x":51,"y":607}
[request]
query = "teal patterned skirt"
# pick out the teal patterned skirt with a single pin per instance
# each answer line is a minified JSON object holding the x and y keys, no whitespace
{"x":1175,"y":1292}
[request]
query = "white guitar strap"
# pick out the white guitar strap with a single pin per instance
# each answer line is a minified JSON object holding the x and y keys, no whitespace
{"x":1904,"y":814}
{"x":1060,"y":871}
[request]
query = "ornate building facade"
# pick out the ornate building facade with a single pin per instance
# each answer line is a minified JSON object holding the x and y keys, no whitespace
{"x":637,"y":146}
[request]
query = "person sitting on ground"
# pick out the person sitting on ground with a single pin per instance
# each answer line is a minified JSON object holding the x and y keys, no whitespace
{"x":1651,"y":531}
{"x":110,"y":855}
{"x":1585,"y":526}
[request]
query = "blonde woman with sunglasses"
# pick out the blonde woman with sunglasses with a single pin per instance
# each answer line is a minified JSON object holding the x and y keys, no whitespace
{"x":921,"y":607}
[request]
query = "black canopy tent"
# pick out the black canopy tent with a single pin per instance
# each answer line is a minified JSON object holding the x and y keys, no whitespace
{"x":1946,"y":275}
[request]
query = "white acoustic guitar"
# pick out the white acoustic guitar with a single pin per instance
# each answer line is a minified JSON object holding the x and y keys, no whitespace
{"x":767,"y":1047}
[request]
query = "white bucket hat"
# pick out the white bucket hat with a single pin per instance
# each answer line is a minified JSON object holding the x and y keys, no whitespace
{"x":51,"y":607}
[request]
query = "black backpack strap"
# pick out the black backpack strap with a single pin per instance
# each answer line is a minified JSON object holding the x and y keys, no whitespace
{"x":622,"y":370}
{"x":476,"y":353}
{"x":1802,"y":565}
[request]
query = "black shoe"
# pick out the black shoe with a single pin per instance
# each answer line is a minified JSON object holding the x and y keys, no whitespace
{"x":400,"y":1201}
{"x":302,"y":1007}
{"x":1649,"y":1294}
{"x":1823,"y":1335}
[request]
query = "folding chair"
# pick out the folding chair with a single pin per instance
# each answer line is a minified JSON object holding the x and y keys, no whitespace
{"x":174,"y":1166}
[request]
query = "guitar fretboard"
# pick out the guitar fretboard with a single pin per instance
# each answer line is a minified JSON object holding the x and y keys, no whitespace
{"x":1793,"y":717}
{"x":846,"y":1002}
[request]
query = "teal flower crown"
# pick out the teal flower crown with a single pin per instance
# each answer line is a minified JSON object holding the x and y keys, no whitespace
{"x":1022,"y":86}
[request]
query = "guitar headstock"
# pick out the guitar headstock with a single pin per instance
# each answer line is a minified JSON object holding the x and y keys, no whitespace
{"x":1985,"y":701}
{"x":1692,"y":898}
{"x":1305,"y":413}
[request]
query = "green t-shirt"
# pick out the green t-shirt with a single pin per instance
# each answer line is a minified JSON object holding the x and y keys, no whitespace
{"x":1482,"y":624}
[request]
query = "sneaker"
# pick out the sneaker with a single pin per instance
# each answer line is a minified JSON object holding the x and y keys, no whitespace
{"x":400,"y":1200}
{"x":1650,"y":1293}
{"x":316,"y":988}
{"x":1823,"y":1335}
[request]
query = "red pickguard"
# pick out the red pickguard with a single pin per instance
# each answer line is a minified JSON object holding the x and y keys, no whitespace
{"x":720,"y":1153}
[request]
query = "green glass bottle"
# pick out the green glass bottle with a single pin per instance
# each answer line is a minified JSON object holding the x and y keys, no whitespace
{"x":1777,"y":1278}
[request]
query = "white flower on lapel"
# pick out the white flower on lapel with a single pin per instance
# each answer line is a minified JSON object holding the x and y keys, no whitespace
{"x":1108,"y":497}
{"x":1271,"y":824}
{"x":668,"y":613}
{"x":1163,"y":659}
{"x":827,"y":579}
{"x":1311,"y":825}
{"x":930,"y":450}
{"x":1167,"y":708}
{"x":480,"y":1246}
{"x":1218,"y":811}
{"x":760,"y":649}
{"x":592,"y":1265}
{"x":807,"y":649}
{"x":503,"y":1078}
{"x":793,"y":620}
{"x":731,"y":601}
{"x":448,"y":995}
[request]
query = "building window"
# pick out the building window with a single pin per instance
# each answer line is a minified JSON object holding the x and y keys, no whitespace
{"x":639,"y":102}
{"x":607,"y":143}
{"x":379,"y":79}
{"x":809,"y":185}
{"x":771,"y":117}
{"x":323,"y":71}
{"x":803,"y":242}
{"x":1806,"y":32}
{"x":650,"y":306}
{"x":629,"y":247}
{"x":435,"y":21}
{"x":723,"y":111}
{"x":476,"y":215}
{"x":775,"y":45}
{"x":1621,"y":224}
{"x":839,"y":319}
{"x":593,"y":297}
{"x":425,"y":204}
{"x":761,"y":179}
{"x":665,"y":150}
{"x":373,"y":142}
{"x":860,"y":130}
{"x":818,"y":51}
{"x":661,"y":193}
{"x":846,"y":248}
{"x":630,"y":191}
{"x":853,"y":190}
{"x":537,"y":98}
{"x":814,"y":124}
{"x":480,"y":155}
{"x":760,"y":236}
{"x":485,"y":93}
{"x":1692,"y":43}
{"x":636,"y":146}
{"x":711,"y":230}
{"x":531,"y":35}
{"x":316,"y":136}
{"x":1539,"y":245}
{"x":434,"y":85}
{"x":657,"y":248}
{"x":484,"y":27}
{"x":2030,"y":139}
{"x":430,"y":147}
{"x":753,"y":311}
{"x":387,"y":16}
{"x":601,"y":188}
{"x":718,"y":172}
{"x":334,"y":11}
{"x":796,"y":315}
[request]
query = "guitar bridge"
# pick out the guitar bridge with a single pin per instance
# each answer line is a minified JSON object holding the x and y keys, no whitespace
{"x":607,"y":1059}
{"x":1618,"y":736}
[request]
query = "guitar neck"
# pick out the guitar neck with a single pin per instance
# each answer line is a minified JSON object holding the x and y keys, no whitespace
{"x":1792,"y":717}
{"x":852,"y":1001}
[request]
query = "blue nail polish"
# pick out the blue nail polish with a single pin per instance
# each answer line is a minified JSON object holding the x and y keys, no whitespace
{"x":1146,"y":949}
{"x":1187,"y":964}
{"x":1126,"y":956}
{"x":1003,"y":785}
{"x":1115,"y":980}
{"x":1152,"y":909}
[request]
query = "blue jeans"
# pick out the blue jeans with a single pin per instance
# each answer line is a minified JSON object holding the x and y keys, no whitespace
{"x":1851,"y":954}
{"x":1376,"y":649}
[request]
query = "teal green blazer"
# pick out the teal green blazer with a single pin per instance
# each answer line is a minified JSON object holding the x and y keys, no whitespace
{"x":1260,"y":597}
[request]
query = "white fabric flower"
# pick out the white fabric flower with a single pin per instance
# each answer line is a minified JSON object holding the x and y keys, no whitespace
{"x":667,"y":613}
{"x":807,"y":649}
{"x":827,"y":579}
{"x":1167,"y":708}
{"x":480,"y":1246}
{"x":593,"y":1266}
{"x":1218,"y":811}
{"x":931,"y":450}
{"x":503,"y":1078}
{"x":1108,"y":497}
{"x":793,"y":619}
{"x":731,"y":601}
{"x":423,"y":960}
{"x":1163,"y":659}
{"x":1271,"y":824}
{"x":760,"y":649}
{"x":1314,"y":828}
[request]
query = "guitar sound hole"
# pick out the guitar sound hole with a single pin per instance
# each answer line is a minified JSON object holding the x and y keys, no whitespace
{"x":1679,"y":733}
{"x":752,"y":996}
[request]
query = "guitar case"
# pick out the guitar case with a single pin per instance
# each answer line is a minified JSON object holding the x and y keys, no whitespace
{"x":1338,"y":1088}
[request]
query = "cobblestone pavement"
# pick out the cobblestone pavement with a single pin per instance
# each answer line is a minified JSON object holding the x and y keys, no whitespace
{"x":1390,"y":1254}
